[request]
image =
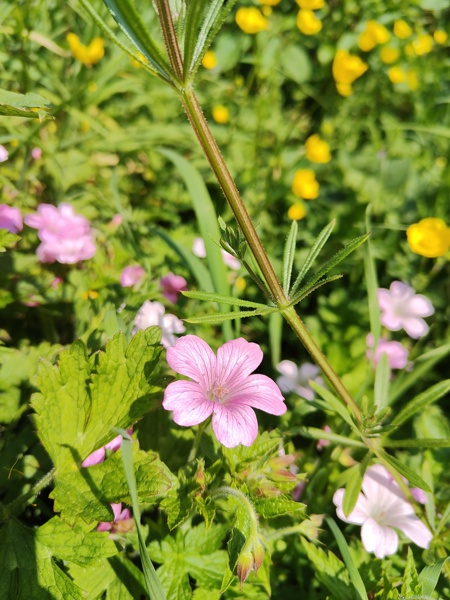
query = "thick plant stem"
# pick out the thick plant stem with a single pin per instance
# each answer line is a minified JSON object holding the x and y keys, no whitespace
{"x":215,"y":158}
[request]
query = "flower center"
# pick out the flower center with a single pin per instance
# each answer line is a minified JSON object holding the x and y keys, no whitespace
{"x":218,"y":393}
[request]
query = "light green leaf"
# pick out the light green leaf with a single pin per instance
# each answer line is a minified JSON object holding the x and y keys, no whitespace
{"x":220,"y":317}
{"x":355,"y":577}
{"x":295,"y":63}
{"x":209,"y":297}
{"x":319,"y":434}
{"x":194,"y":17}
{"x":418,"y":443}
{"x":7,"y":239}
{"x":275,"y":337}
{"x":410,"y":475}
{"x":382,"y":378}
{"x":421,"y":401}
{"x":332,"y":403}
{"x":370,"y":273}
{"x":411,"y":585}
{"x":330,"y":571}
{"x":289,"y":255}
{"x":23,"y":105}
{"x":314,"y":252}
{"x":174,"y":579}
{"x":353,"y":487}
{"x":278,"y":506}
{"x":429,"y":576}
{"x":307,"y":290}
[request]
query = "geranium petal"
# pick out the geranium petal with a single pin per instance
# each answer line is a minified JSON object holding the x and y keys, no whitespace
{"x":391,"y":321}
{"x":191,"y":356}
{"x":417,"y":531}
{"x":415,"y":327}
{"x":288,"y":368}
{"x":236,"y":359}
{"x":234,"y":425}
{"x":382,"y":541}
{"x":188,"y":402}
{"x":420,"y":306}
{"x":257,"y":391}
{"x":358,"y":515}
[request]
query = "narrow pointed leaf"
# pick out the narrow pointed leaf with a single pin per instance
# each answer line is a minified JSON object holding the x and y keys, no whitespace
{"x":28,"y":105}
{"x":319,"y":434}
{"x":332,"y":403}
{"x":209,"y":297}
{"x":410,"y":475}
{"x":372,"y":286}
{"x":313,"y":254}
{"x":355,"y":576}
{"x":289,"y":254}
{"x":429,"y":576}
{"x":353,"y":487}
{"x":418,"y":443}
{"x":194,"y":16}
{"x":306,"y":291}
{"x":382,"y":378}
{"x":421,"y":401}
{"x":219,"y":317}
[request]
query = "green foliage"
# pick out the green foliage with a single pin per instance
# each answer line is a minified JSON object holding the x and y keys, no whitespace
{"x":7,"y":239}
{"x":28,"y":105}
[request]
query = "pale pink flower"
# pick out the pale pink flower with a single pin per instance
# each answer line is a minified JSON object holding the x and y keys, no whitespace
{"x":402,"y":308}
{"x":222,"y":386}
{"x":99,"y":455}
{"x":396,"y":353}
{"x":382,"y":508}
{"x":119,"y":515}
{"x":66,"y":237}
{"x":198,"y":248}
{"x":131,"y":275}
{"x":10,"y":218}
{"x":4,"y":154}
{"x":296,"y":379}
{"x":36,"y":153}
{"x":171,"y":286}
{"x":321,"y":444}
{"x":153,"y":313}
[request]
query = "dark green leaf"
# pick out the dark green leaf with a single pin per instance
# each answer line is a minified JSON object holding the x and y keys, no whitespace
{"x":421,"y":401}
{"x":410,"y":475}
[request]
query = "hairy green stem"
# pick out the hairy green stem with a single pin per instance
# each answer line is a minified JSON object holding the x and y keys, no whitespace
{"x":16,"y":506}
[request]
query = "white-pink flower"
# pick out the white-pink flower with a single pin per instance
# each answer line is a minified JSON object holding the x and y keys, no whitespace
{"x":296,"y":379}
{"x":153,"y":313}
{"x":396,"y":353}
{"x":99,"y":455}
{"x":171,"y":286}
{"x":131,"y":275}
{"x":10,"y":218}
{"x":401,"y":308}
{"x":198,"y":248}
{"x":36,"y":153}
{"x":65,"y":237}
{"x":119,"y":515}
{"x":382,"y":508}
{"x":221,"y":386}
{"x":4,"y":154}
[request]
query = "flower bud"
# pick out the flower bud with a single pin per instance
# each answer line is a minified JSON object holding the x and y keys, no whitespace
{"x":244,"y":565}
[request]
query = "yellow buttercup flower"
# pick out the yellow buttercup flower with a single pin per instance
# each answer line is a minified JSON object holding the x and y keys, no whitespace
{"x":308,"y":23}
{"x":366,"y":43}
{"x":240,"y":284}
{"x":373,"y":34}
{"x":305,"y":184}
{"x":88,"y":55}
{"x":266,"y":10}
{"x":317,"y":150}
{"x":297,"y":211}
{"x":412,"y":80}
{"x":269,"y":2}
{"x":440,"y":37}
{"x":251,"y":20}
{"x":311,"y":4}
{"x":423,"y":44}
{"x":209,"y":60}
{"x":396,"y":75}
{"x":389,"y":55}
{"x":429,"y":237}
{"x":346,"y":68}
{"x":402,"y":30}
{"x":220,"y":114}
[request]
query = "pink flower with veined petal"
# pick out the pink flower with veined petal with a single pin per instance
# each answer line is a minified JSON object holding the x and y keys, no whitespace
{"x":402,"y":308}
{"x":222,"y":386}
{"x":198,"y":248}
{"x":131,"y":275}
{"x":396,"y":353}
{"x":296,"y":379}
{"x":119,"y":515}
{"x":171,"y":286}
{"x":154,"y":313}
{"x":10,"y":218}
{"x":98,"y":456}
{"x":380,"y":509}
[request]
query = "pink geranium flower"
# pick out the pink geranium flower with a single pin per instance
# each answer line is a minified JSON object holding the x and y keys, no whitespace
{"x":221,"y":386}
{"x":65,"y":237}
{"x":382,"y":508}
{"x":10,"y":218}
{"x":4,"y":154}
{"x":396,"y":353}
{"x":119,"y":515}
{"x":98,"y":456}
{"x":131,"y":275}
{"x":153,"y":313}
{"x":172,"y":285}
{"x":296,"y":379}
{"x":198,"y":248}
{"x":402,"y":308}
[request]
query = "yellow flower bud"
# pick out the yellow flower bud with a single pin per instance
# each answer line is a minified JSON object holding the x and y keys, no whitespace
{"x":317,"y":150}
{"x":308,"y":23}
{"x":429,"y":237}
{"x":389,"y":55}
{"x":251,"y":20}
{"x":402,"y":30}
{"x":311,"y":4}
{"x":305,"y":184}
{"x":209,"y":60}
{"x":220,"y":114}
{"x":347,"y":67}
{"x":440,"y":37}
{"x":396,"y":75}
{"x":297,"y":211}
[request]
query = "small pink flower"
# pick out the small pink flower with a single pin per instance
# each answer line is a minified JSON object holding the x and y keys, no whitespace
{"x":321,"y":444}
{"x":380,"y":509}
{"x":10,"y":218}
{"x":119,"y":515}
{"x":36,"y":153}
{"x":172,"y":285}
{"x":66,"y":237}
{"x":296,"y":379}
{"x":397,"y":354}
{"x":198,"y":248}
{"x":221,"y":386}
{"x":402,"y":308}
{"x":4,"y":154}
{"x":153,"y":313}
{"x":98,"y":456}
{"x":131,"y":275}
{"x":117,"y":220}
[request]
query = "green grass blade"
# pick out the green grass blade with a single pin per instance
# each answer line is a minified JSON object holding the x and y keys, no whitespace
{"x":429,"y":576}
{"x":207,"y":297}
{"x":418,"y":443}
{"x":316,"y":248}
{"x":421,"y":401}
{"x":355,"y":577}
{"x":372,"y":286}
{"x":153,"y":584}
{"x":289,"y":254}
{"x":382,"y":378}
